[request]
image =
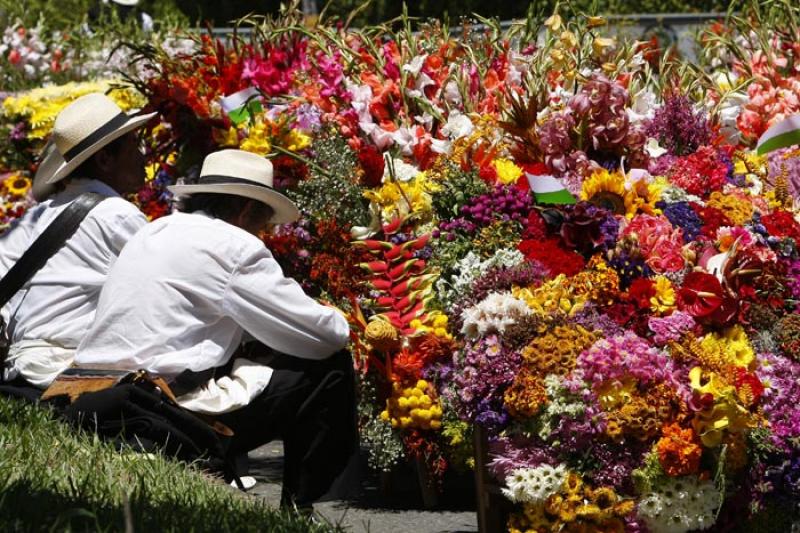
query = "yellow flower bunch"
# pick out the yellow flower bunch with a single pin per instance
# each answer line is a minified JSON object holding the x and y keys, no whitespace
{"x":664,"y":299}
{"x":526,"y":395}
{"x":739,"y":210}
{"x":552,"y":297}
{"x":435,"y":322}
{"x":413,"y":407}
{"x":259,"y":138}
{"x":382,"y":335}
{"x":400,"y":198}
{"x":725,"y":416}
{"x":731,"y":347}
{"x":40,"y":106}
{"x":598,"y":283}
{"x":557,"y":351}
{"x":507,"y":172}
{"x":613,"y":191}
{"x":575,"y":507}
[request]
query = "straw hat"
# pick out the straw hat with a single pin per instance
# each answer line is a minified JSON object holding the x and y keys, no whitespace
{"x":87,"y":125}
{"x":242,"y":174}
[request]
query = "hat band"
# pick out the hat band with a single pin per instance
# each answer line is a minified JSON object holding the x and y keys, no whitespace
{"x":110,"y":126}
{"x":213,"y":179}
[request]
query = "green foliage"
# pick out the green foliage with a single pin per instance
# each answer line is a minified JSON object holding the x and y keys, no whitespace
{"x":57,"y":479}
{"x":332,"y":191}
{"x":458,"y":187}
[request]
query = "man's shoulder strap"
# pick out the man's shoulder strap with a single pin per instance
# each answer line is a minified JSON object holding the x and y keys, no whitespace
{"x":47,"y":244}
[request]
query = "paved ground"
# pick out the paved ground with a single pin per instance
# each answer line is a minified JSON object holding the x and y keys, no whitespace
{"x":360,"y":506}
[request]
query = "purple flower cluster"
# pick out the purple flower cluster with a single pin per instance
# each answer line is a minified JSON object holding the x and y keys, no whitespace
{"x":670,"y":328}
{"x":622,"y":356}
{"x":448,"y":228}
{"x":616,"y":462}
{"x":678,"y":127}
{"x":517,"y":451}
{"x":779,"y":374}
{"x":681,"y":215}
{"x":504,"y":203}
{"x":629,"y":267}
{"x":588,"y":228}
{"x":593,"y":320}
{"x":481,"y":373}
{"x":777,"y":162}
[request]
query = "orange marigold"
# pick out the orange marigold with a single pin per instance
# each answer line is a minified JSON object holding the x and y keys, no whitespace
{"x":679,"y":450}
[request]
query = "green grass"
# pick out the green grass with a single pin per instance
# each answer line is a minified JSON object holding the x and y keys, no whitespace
{"x":53,"y":478}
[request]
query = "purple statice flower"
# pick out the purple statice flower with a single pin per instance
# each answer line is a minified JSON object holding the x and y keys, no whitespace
{"x":681,"y":215}
{"x":482,"y":372}
{"x":510,"y":452}
{"x":670,"y":328}
{"x":616,"y":462}
{"x":593,"y":320}
{"x":661,"y":166}
{"x":777,"y":161}
{"x":307,"y":117}
{"x":780,"y":400}
{"x":18,"y":132}
{"x":625,"y":355}
{"x":503,"y":203}
{"x":678,"y":127}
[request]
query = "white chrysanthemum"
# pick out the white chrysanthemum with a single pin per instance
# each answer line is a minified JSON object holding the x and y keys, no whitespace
{"x":493,"y":314}
{"x":534,"y":485}
{"x":680,"y":505}
{"x":470,"y":268}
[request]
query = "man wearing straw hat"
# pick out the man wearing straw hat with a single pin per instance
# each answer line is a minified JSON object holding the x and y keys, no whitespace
{"x":94,"y":149}
{"x":189,"y":286}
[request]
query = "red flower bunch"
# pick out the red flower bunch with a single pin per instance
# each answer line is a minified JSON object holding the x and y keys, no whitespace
{"x":782,"y":224}
{"x":535,"y":227}
{"x":700,"y":173}
{"x":748,"y":385}
{"x":712,"y":218}
{"x":640,"y":292}
{"x":288,"y":172}
{"x":703,"y":297}
{"x":424,"y":350}
{"x":372,"y":162}
{"x":553,"y":256}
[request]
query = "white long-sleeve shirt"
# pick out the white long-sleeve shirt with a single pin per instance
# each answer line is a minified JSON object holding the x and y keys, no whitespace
{"x":185,"y":289}
{"x":49,"y":316}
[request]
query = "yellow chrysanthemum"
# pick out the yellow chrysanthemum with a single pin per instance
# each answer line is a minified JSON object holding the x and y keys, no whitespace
{"x":664,"y":298}
{"x":554,"y":296}
{"x":507,"y":171}
{"x":731,"y":347}
{"x":39,"y":107}
{"x":17,"y":185}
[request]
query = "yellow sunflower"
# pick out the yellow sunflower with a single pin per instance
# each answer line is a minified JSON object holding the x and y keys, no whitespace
{"x":606,"y":189}
{"x":17,"y":185}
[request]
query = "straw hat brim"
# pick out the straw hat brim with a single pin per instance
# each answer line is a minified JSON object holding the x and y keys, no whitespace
{"x":285,"y":210}
{"x":68,"y":166}
{"x":51,"y":161}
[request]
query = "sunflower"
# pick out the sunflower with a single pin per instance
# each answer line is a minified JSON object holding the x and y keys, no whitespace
{"x":606,"y":189}
{"x":17,"y":185}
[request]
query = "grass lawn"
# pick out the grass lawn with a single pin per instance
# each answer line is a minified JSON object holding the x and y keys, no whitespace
{"x":54,"y":478}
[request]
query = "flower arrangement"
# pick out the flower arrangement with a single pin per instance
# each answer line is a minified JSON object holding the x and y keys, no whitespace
{"x":630,"y":352}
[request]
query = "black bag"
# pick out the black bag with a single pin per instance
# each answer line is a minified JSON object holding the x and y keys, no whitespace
{"x":141,"y":416}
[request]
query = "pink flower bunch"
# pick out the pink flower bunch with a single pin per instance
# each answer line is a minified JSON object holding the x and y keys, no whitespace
{"x":331,"y":75}
{"x":660,"y":242}
{"x":622,"y":356}
{"x":700,"y":173}
{"x":273,"y":72}
{"x":602,"y":104}
{"x":671,"y":328}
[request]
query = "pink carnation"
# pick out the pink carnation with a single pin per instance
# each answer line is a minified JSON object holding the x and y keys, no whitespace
{"x":671,"y":328}
{"x":660,"y":243}
{"x":626,"y":355}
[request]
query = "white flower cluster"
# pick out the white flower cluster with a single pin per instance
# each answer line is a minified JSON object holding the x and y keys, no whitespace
{"x":560,"y":404}
{"x":534,"y":485}
{"x":469,"y":268}
{"x":26,"y":50}
{"x":493,"y":314}
{"x":680,"y":505}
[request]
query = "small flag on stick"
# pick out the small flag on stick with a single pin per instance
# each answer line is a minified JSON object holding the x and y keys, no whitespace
{"x":549,"y":190}
{"x":241,"y":105}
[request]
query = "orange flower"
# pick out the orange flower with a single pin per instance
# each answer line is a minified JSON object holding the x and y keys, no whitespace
{"x":679,"y":451}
